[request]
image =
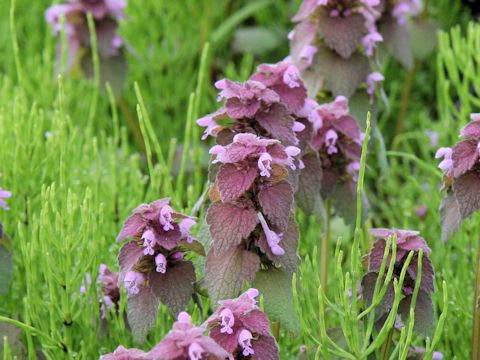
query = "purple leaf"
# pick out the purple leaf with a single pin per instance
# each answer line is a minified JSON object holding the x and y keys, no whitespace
{"x":467,"y":192}
{"x":256,"y":322}
{"x":233,"y":181}
{"x":133,"y":226}
{"x":472,"y":129}
{"x":279,"y":123}
{"x":229,"y":224}
{"x":168,"y":239}
{"x":294,"y":98}
{"x":343,"y":35}
{"x":308,"y":193}
{"x":226,"y":275}
{"x":427,"y":282}
{"x":130,"y":254}
{"x":450,"y":215}
{"x":175,"y":287}
{"x":265,"y":348}
{"x":368,"y":288}
{"x":464,"y":155}
{"x":276,"y":202}
{"x":122,"y":353}
{"x":306,"y":9}
{"x":348,"y":126}
{"x":376,"y":255}
{"x":344,"y":200}
{"x":424,"y":316}
{"x":142,"y":312}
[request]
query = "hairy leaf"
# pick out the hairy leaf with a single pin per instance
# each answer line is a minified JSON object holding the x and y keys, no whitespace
{"x":233,"y":182}
{"x":424,"y":316}
{"x":276,"y":202}
{"x":265,"y":348}
{"x":308,"y":194}
{"x":226,"y":275}
{"x":130,"y":254}
{"x":279,"y":123}
{"x":142,"y":312}
{"x":175,"y":287}
{"x":396,"y":38}
{"x":343,"y":35}
{"x":276,"y":287}
{"x":450,"y":215}
{"x":229,"y":224}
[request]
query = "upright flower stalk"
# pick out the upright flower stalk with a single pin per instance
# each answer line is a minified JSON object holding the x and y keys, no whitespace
{"x":461,"y":183}
{"x":253,"y":173}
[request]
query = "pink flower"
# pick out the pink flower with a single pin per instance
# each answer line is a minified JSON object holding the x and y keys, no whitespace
{"x":447,"y":163}
{"x":330,"y":141}
{"x":161,"y":263}
{"x":186,"y":341}
{"x":4,"y":194}
{"x":133,"y":280}
{"x":250,"y":332}
{"x":228,"y":321}
{"x":273,"y":239}
{"x":372,"y":82}
{"x":165,"y":217}
{"x":264,"y":164}
{"x":245,"y":341}
{"x":370,"y":41}
{"x":149,"y":242}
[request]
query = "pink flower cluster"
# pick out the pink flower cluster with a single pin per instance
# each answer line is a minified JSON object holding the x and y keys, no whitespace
{"x":406,"y":241}
{"x":258,"y":131}
{"x":152,"y":264}
{"x":238,"y":329}
{"x":106,"y":14}
{"x":340,"y":36}
{"x":332,"y":159}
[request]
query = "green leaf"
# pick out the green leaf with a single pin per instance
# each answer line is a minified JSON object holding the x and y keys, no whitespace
{"x":276,"y":287}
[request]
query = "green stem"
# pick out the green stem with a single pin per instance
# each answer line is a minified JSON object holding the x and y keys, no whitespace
{"x":276,"y":330}
{"x":406,"y":94}
{"x":132,"y":124}
{"x":385,"y":350}
{"x":324,"y":247}
{"x":476,"y":313}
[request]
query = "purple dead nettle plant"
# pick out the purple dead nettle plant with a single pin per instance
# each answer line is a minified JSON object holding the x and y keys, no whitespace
{"x":250,"y":219}
{"x":332,"y":161}
{"x":152,"y":264}
{"x":336,"y":37}
{"x":341,"y":37}
{"x":461,"y":181}
{"x":406,"y":241}
{"x":242,"y":329}
{"x":184,"y":342}
{"x":106,"y":15}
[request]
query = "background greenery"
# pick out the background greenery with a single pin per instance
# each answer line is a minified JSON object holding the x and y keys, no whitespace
{"x":76,"y":169}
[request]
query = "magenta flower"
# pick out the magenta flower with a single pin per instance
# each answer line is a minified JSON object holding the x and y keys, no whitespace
{"x":4,"y":194}
{"x":106,"y":15}
{"x":406,"y":241}
{"x":186,"y":341}
{"x":152,"y":266}
{"x":461,"y":180}
{"x":373,"y":80}
{"x":242,"y":329}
